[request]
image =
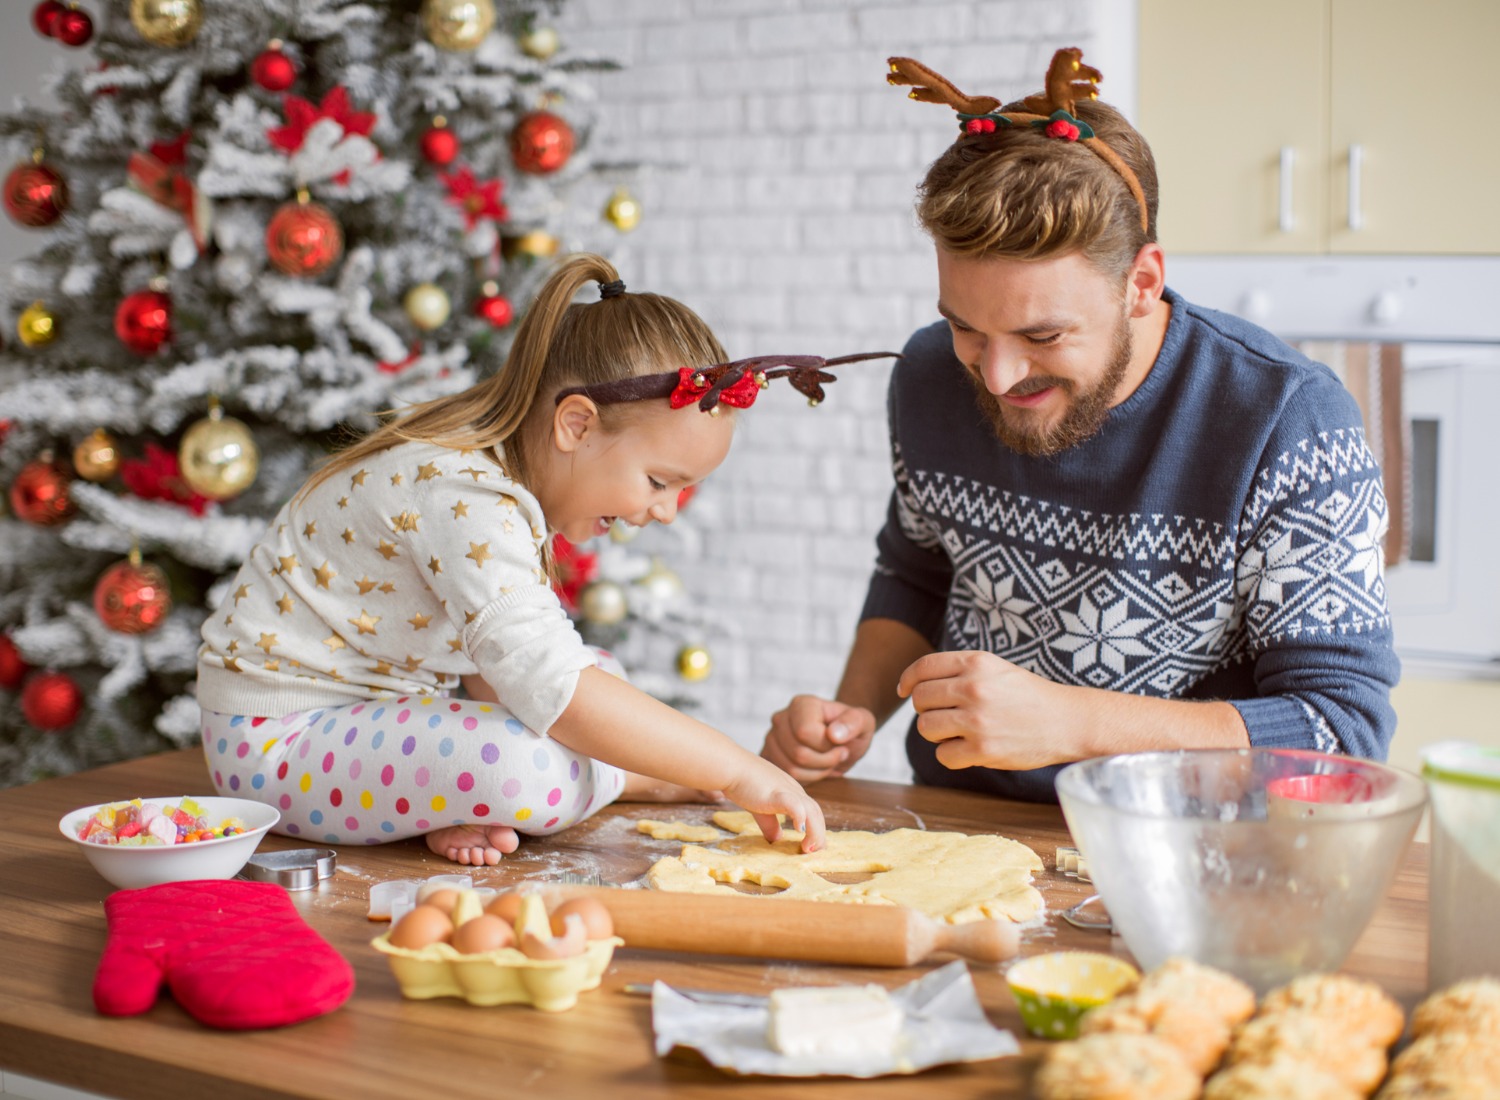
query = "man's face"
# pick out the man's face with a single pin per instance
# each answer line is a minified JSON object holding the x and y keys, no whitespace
{"x":1047,"y":344}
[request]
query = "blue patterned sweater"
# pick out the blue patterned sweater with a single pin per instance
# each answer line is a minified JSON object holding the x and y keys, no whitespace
{"x":1219,"y":538}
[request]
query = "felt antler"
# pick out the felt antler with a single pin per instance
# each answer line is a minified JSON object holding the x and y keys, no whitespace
{"x":929,"y":87}
{"x":1068,"y":80}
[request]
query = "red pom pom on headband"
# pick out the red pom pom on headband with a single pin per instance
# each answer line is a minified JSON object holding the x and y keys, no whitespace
{"x":1051,"y":112}
{"x":736,"y":384}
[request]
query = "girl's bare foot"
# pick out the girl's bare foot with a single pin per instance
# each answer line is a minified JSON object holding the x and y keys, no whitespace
{"x":476,"y":845}
{"x":643,"y":788}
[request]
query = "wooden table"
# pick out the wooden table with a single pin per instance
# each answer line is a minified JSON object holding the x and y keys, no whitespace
{"x":381,"y":1045}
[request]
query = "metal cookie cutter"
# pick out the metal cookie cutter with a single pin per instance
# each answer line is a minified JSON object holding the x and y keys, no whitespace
{"x":297,"y":869}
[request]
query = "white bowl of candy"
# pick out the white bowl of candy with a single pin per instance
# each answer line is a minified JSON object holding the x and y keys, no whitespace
{"x":146,"y":841}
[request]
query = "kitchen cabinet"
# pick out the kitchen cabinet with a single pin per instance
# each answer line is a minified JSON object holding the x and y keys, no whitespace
{"x":1322,"y":127}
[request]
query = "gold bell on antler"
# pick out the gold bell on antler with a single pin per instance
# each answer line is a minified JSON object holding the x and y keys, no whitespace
{"x":761,"y":380}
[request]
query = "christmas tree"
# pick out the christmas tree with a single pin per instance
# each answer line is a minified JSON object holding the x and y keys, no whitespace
{"x":261,"y":226}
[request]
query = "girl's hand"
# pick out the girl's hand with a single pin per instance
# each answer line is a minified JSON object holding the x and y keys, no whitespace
{"x":765,"y":790}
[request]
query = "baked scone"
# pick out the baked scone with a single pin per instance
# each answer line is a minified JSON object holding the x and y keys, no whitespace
{"x":1441,"y":1086}
{"x":1115,"y":1067}
{"x":1449,"y":1053}
{"x":1302,"y":1035}
{"x":1471,"y":1006}
{"x":1200,"y":1037}
{"x":1281,"y":1080}
{"x":1355,"y":1004}
{"x":1203,"y":987}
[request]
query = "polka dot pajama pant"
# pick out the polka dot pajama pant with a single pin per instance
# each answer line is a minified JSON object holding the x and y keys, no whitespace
{"x":389,"y":769}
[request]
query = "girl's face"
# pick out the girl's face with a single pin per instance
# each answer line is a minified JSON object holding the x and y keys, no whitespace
{"x":589,"y":477}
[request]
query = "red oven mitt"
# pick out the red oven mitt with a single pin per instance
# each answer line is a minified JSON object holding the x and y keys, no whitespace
{"x":234,"y":954}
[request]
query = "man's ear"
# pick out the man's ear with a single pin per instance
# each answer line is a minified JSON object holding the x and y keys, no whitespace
{"x":1146,"y":279}
{"x":572,"y":421}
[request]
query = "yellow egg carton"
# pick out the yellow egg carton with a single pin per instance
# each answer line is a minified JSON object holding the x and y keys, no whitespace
{"x":501,"y":977}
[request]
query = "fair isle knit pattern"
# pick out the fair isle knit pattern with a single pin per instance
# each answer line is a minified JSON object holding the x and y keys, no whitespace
{"x":1221,"y":537}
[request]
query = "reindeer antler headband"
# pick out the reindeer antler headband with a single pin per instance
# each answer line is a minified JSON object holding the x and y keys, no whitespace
{"x":737,"y":383}
{"x":1068,"y":79}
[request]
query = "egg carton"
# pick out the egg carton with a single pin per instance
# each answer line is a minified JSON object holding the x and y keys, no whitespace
{"x":504,"y":976}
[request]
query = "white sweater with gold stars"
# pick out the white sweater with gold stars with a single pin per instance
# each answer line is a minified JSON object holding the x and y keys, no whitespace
{"x":396,"y":576}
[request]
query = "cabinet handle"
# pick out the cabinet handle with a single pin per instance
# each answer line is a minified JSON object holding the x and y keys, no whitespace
{"x":1284,"y":220}
{"x":1356,"y":170}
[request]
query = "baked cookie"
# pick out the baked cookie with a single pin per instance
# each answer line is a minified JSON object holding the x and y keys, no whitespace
{"x":1115,"y":1067}
{"x":1441,"y":1086}
{"x":1471,"y":1006}
{"x":1355,"y":1004}
{"x":1451,"y":1054}
{"x":1201,"y":1038}
{"x":1206,"y":989}
{"x":1302,"y":1035}
{"x":1282,"y":1080}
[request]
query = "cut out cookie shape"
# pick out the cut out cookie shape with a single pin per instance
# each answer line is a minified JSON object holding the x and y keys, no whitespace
{"x":953,"y":877}
{"x":679,"y":830}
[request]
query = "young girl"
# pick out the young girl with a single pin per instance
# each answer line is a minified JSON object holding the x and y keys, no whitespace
{"x":416,"y":563}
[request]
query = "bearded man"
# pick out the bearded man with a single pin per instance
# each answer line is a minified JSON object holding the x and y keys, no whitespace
{"x":1121,"y":522}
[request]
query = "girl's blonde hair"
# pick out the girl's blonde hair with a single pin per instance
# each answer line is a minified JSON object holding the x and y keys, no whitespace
{"x":560,"y":343}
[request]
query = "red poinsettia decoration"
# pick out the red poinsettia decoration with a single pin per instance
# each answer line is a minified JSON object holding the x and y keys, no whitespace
{"x":574,"y":570}
{"x":301,"y":116}
{"x":478,"y":199}
{"x":159,"y":175}
{"x":159,"y":477}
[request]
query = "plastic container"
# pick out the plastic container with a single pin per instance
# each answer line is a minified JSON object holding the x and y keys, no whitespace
{"x":1464,"y":886}
{"x":1054,"y":991}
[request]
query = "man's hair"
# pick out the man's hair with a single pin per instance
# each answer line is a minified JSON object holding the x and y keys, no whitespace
{"x":1018,"y":194}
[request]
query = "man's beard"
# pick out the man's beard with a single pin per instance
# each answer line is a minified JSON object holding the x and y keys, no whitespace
{"x":1085,"y":414}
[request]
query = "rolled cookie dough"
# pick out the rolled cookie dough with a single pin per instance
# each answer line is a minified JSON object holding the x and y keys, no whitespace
{"x":949,"y":876}
{"x":679,"y":830}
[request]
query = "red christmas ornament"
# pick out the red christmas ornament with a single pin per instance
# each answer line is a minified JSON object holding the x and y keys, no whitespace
{"x":686,"y":495}
{"x":158,"y":476}
{"x":51,"y":701}
{"x":440,"y":145}
{"x":39,"y":494}
{"x":541,"y":143}
{"x":44,"y":16}
{"x":496,"y":309}
{"x":132,"y":597}
{"x":304,"y":238}
{"x":35,"y":195}
{"x":574,"y":570}
{"x":12,"y":668}
{"x":273,"y":70}
{"x":73,"y":27}
{"x":143,"y":321}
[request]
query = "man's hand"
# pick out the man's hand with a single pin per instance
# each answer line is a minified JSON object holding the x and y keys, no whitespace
{"x":981,"y":710}
{"x":816,"y":738}
{"x":765,"y":790}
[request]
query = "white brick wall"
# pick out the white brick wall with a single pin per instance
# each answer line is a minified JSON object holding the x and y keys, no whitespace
{"x":778,"y":205}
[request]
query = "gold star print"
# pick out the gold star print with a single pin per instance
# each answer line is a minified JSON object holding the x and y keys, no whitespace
{"x":474,"y":473}
{"x":359,"y":478}
{"x":387,"y":550}
{"x":233,"y":647}
{"x":387,"y":587}
{"x":460,"y":509}
{"x":334,"y":643}
{"x":436,"y":566}
{"x":288,"y":563}
{"x":507,"y":502}
{"x":348,"y":536}
{"x":419,"y":621}
{"x":480,"y":552}
{"x":382,"y":668}
{"x":232,"y":664}
{"x":295,"y":664}
{"x":333,"y":674}
{"x":406,"y":521}
{"x":508,"y":527}
{"x":241,"y":592}
{"x":412,"y":663}
{"x":273,"y":665}
{"x":469,"y":617}
{"x":266,"y":642}
{"x":286,"y":603}
{"x":365,"y":624}
{"x":324,"y":574}
{"x":310,"y":530}
{"x":428,"y":472}
{"x":366,"y":586}
{"x":343,"y":502}
{"x":455,"y":645}
{"x":228,"y":620}
{"x":396,"y":479}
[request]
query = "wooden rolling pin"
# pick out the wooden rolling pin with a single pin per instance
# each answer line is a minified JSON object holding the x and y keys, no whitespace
{"x":810,"y":931}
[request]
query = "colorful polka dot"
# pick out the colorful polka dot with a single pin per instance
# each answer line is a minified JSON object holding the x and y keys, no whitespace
{"x":465,"y":781}
{"x":268,"y":746}
{"x":471,"y":723}
{"x":336,"y":797}
{"x":378,"y":739}
{"x":423,"y":824}
{"x":281,"y":770}
{"x":445,"y":747}
{"x":234,"y":782}
{"x":522,"y":814}
{"x":352,"y":824}
{"x":434,"y":721}
{"x":438,"y":802}
{"x":387,"y":775}
{"x":387,"y":827}
{"x":408,"y":746}
{"x":355,"y":767}
{"x":490,"y":753}
{"x":422,"y":777}
{"x":514,"y":725}
{"x":306,"y":783}
{"x":257,"y":781}
{"x":402,"y":716}
{"x":511,"y":788}
{"x":366,"y":800}
{"x":541,"y":759}
{"x":242,"y":750}
{"x":481,"y":810}
{"x":554,"y":796}
{"x":223,"y":745}
{"x":550,"y":823}
{"x":327,"y":762}
{"x":235,"y":721}
{"x":293,"y":829}
{"x":302,"y":752}
{"x":455,"y":707}
{"x":285,"y":802}
{"x":353,"y":733}
{"x":316,"y":817}
{"x":403,"y":806}
{"x":573,"y":770}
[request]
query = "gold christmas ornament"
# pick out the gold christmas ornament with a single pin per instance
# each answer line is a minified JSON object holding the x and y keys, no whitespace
{"x":661,"y":582}
{"x":170,"y":23}
{"x":621,"y":532}
{"x":603,"y":603}
{"x":427,"y":305}
{"x":538,"y":244}
{"x":540,"y":43}
{"x":457,"y":24}
{"x":36,"y":326}
{"x":97,"y":457}
{"x":694,"y":663}
{"x":218,"y":455}
{"x":622,"y":211}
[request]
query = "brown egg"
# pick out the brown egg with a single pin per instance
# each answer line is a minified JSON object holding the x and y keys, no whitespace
{"x":507,"y":906}
{"x":572,"y":942}
{"x":424,"y":925}
{"x":444,"y":899}
{"x":482,"y":933}
{"x":596,"y":919}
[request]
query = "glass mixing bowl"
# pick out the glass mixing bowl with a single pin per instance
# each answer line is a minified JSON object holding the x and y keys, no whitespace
{"x":1266,"y":863}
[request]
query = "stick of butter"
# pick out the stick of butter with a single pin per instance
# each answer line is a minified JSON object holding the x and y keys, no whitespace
{"x":843,"y":1020}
